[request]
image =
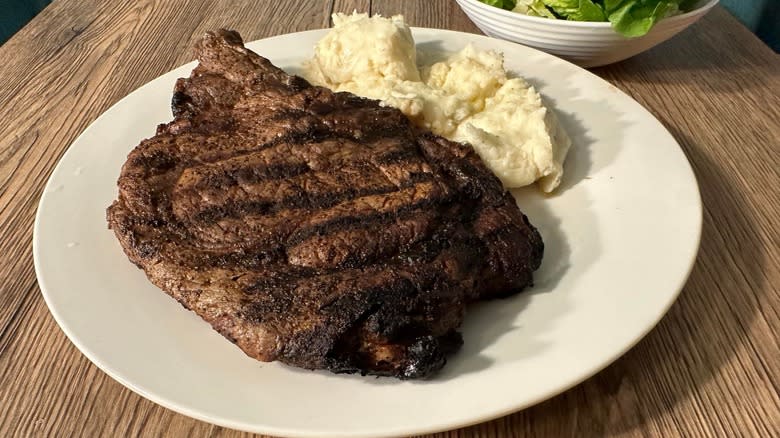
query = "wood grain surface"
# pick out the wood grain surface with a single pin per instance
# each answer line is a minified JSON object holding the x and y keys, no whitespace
{"x":710,"y":368}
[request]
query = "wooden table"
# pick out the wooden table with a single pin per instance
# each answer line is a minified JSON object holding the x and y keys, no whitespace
{"x":712,"y":366}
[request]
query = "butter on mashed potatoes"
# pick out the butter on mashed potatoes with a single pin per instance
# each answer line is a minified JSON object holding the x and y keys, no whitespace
{"x":467,"y":97}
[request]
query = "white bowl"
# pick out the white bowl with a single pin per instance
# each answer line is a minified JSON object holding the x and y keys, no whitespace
{"x":588,"y":44}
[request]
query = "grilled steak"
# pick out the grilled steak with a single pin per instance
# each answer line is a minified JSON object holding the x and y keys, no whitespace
{"x":315,"y":228}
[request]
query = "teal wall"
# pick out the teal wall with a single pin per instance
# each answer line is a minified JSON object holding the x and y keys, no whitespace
{"x":748,"y":11}
{"x":761,"y":16}
{"x":15,"y":13}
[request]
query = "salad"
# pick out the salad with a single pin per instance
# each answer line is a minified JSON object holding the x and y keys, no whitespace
{"x":631,"y":18}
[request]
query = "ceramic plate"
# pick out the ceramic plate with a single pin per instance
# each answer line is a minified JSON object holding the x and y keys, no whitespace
{"x":621,"y":237}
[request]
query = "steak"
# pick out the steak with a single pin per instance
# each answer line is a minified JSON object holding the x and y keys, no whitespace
{"x":315,"y":228}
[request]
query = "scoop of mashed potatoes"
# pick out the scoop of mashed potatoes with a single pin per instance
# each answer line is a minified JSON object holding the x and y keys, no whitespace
{"x":467,"y":97}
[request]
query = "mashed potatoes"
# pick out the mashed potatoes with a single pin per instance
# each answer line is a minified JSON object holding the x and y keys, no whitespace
{"x":467,"y":97}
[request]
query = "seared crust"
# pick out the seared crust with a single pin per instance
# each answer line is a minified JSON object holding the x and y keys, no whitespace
{"x":315,"y":228}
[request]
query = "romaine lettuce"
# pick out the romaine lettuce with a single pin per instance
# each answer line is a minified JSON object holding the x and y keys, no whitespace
{"x":631,"y":18}
{"x":503,"y":4}
{"x":634,"y":18}
{"x":535,"y":8}
{"x":577,"y":10}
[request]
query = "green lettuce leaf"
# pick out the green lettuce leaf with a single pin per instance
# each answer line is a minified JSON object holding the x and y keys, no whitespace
{"x":534,"y":8}
{"x":577,"y":10}
{"x":503,"y":4}
{"x":633,"y":18}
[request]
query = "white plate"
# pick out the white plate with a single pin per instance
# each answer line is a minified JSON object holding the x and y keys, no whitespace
{"x":621,"y":238}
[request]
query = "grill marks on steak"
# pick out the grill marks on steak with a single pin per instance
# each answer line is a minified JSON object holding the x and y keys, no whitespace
{"x":316,"y":228}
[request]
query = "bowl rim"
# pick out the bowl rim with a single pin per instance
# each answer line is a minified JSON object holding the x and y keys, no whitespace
{"x":582,"y":24}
